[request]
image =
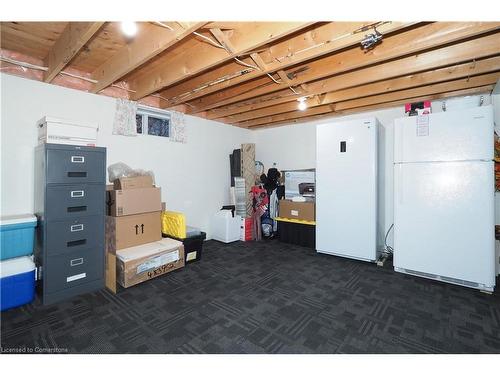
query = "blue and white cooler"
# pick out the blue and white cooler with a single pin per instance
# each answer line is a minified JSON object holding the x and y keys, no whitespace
{"x":17,"y":235}
{"x":17,"y":282}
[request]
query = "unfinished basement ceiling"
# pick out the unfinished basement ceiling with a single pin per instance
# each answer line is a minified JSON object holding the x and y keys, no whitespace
{"x":251,"y":74}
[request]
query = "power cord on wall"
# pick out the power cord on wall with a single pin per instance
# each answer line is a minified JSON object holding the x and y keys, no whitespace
{"x":387,"y":251}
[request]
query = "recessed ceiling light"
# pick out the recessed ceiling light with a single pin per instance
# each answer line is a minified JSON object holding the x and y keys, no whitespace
{"x":129,"y":28}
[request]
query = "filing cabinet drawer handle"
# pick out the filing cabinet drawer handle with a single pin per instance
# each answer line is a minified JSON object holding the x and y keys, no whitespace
{"x":76,"y":243}
{"x":77,"y":193}
{"x":76,"y":262}
{"x":78,"y":159}
{"x":76,"y":228}
{"x":76,"y":277}
{"x":77,"y":174}
{"x":77,"y":208}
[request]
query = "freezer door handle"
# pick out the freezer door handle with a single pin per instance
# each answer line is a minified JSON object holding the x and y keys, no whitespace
{"x":401,"y":183}
{"x":343,"y":146}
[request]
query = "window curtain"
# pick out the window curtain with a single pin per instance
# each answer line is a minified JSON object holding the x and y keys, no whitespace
{"x":125,"y":124}
{"x":177,"y":127}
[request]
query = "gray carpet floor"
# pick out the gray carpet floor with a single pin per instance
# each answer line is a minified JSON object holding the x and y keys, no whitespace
{"x":266,"y":297}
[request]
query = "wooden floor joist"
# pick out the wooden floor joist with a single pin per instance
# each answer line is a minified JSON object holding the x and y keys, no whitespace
{"x":380,"y":106}
{"x":397,"y":46}
{"x":72,"y":39}
{"x":405,"y":82}
{"x":423,"y":91}
{"x":251,"y":74}
{"x":455,"y":54}
{"x":189,"y":62}
{"x":317,"y":42}
{"x":152,"y":41}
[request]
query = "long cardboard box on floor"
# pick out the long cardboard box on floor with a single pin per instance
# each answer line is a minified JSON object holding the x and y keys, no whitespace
{"x":132,"y":230}
{"x":141,"y":263}
{"x":133,"y":201}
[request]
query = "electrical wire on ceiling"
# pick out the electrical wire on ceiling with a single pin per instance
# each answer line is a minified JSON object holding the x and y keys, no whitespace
{"x":162,"y":25}
{"x":25,"y":65}
{"x":279,"y":59}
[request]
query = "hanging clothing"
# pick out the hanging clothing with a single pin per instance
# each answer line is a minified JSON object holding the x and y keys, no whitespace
{"x":273,"y":208}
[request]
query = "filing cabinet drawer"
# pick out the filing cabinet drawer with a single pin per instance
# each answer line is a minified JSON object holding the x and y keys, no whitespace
{"x":74,"y":268}
{"x":74,"y":201}
{"x":75,"y":166}
{"x":75,"y":234}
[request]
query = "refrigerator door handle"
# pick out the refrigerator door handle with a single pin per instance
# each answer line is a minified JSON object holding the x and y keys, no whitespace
{"x":400,"y":183}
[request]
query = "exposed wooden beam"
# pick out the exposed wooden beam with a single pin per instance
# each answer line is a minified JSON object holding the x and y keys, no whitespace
{"x":150,"y":42}
{"x":454,"y":54}
{"x":223,"y":40}
{"x":401,"y":83}
{"x":314,"y":43}
{"x":70,"y":42}
{"x":473,"y":91}
{"x":461,"y":84}
{"x":187,"y":63}
{"x":405,"y":43}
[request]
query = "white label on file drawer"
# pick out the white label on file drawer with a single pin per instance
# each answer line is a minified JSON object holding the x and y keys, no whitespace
{"x":76,"y":277}
{"x":77,"y":193}
{"x":76,"y":228}
{"x":78,"y":159}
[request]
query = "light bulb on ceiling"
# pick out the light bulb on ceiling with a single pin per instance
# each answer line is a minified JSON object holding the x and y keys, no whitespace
{"x":129,"y":28}
{"x":302,"y":104}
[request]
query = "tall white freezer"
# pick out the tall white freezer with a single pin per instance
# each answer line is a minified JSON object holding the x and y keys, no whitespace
{"x":346,"y":189}
{"x":444,"y":197}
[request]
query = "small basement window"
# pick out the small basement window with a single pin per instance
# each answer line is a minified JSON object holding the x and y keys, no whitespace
{"x":152,"y":121}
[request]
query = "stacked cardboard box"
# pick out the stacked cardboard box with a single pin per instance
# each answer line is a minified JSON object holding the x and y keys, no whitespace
{"x":133,"y":234}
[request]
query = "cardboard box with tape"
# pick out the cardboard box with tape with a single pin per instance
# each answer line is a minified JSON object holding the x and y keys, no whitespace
{"x":132,"y":230}
{"x":141,"y":263}
{"x":133,"y":201}
{"x":297,"y":210}
{"x":137,"y":182}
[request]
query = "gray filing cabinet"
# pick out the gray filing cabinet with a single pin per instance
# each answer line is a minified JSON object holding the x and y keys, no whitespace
{"x":70,"y":184}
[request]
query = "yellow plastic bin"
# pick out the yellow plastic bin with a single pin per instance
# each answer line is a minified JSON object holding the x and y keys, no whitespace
{"x":173,"y":224}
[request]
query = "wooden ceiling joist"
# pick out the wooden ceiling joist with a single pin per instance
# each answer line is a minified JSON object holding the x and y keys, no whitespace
{"x":473,"y":91}
{"x":149,"y":43}
{"x":405,"y":82}
{"x":455,"y":54}
{"x":392,"y":97}
{"x":319,"y":41}
{"x":200,"y":58}
{"x":71,"y":41}
{"x":396,"y":46}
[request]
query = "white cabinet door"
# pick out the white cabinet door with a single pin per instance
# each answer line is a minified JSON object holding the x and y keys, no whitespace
{"x":444,"y":220}
{"x":346,"y":189}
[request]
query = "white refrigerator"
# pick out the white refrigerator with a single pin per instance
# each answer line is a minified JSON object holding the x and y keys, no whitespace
{"x":346,"y":189}
{"x":444,"y":197}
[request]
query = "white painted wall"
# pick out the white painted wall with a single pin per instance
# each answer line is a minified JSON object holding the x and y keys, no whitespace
{"x":294,"y":147}
{"x":194,"y":177}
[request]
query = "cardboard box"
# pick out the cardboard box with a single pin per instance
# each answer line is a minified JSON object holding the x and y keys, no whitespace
{"x":67,"y":132}
{"x":137,"y":182}
{"x":297,"y":210}
{"x":141,"y":263}
{"x":111,"y":272}
{"x":133,"y":201}
{"x":132,"y":230}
